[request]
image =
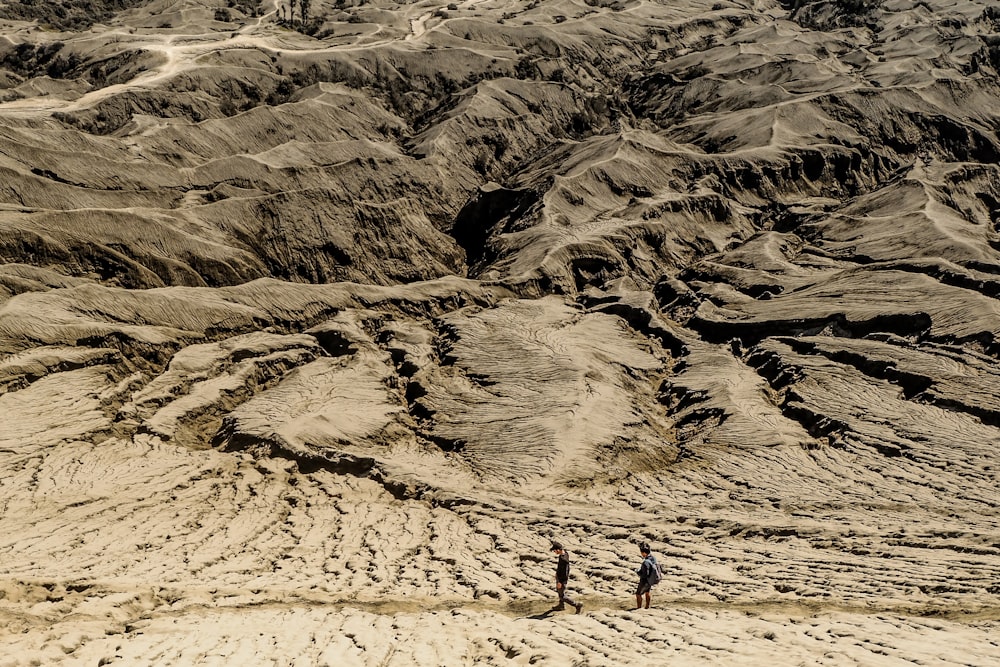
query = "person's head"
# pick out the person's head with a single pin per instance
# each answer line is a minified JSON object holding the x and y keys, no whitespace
{"x":644,"y":548}
{"x":556,"y":547}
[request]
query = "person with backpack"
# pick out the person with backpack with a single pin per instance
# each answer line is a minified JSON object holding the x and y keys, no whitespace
{"x":649,"y":575}
{"x":562,"y":578}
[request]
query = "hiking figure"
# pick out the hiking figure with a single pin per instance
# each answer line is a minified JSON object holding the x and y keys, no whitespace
{"x":649,"y":575}
{"x":562,"y":578}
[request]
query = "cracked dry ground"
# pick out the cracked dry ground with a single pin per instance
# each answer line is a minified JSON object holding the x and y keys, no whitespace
{"x":362,"y":504}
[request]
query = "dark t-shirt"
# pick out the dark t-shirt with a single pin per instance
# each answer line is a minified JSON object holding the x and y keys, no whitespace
{"x":562,"y":568}
{"x":646,"y":568}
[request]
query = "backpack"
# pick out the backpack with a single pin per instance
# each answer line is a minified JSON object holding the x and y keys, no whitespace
{"x":655,"y":573}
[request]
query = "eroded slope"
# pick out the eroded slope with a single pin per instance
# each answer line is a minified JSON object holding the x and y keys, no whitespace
{"x":314,"y":335}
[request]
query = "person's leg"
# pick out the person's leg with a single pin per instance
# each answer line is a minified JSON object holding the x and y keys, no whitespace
{"x":561,"y":589}
{"x":563,"y":597}
{"x":642,"y":588}
{"x":647,"y":599}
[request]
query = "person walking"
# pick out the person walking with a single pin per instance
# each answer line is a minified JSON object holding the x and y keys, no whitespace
{"x":649,"y":575}
{"x":562,"y":578}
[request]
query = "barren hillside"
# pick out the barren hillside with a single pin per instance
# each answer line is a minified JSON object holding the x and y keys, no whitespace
{"x":319,"y":321}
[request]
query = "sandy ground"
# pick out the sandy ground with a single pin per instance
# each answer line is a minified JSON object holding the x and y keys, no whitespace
{"x":141,"y":551}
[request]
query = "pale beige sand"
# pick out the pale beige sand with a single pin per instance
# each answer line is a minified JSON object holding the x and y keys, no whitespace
{"x":150,"y":549}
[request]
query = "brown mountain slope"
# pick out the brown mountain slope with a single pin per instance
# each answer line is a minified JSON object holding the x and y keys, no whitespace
{"x":314,"y":333}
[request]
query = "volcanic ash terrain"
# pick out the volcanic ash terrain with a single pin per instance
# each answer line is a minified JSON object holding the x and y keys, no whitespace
{"x":318,"y":322}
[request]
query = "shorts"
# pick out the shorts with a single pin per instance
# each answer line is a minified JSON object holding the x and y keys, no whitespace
{"x":643,"y":587}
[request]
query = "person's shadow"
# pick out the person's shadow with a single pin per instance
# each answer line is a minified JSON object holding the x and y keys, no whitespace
{"x":545,"y":614}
